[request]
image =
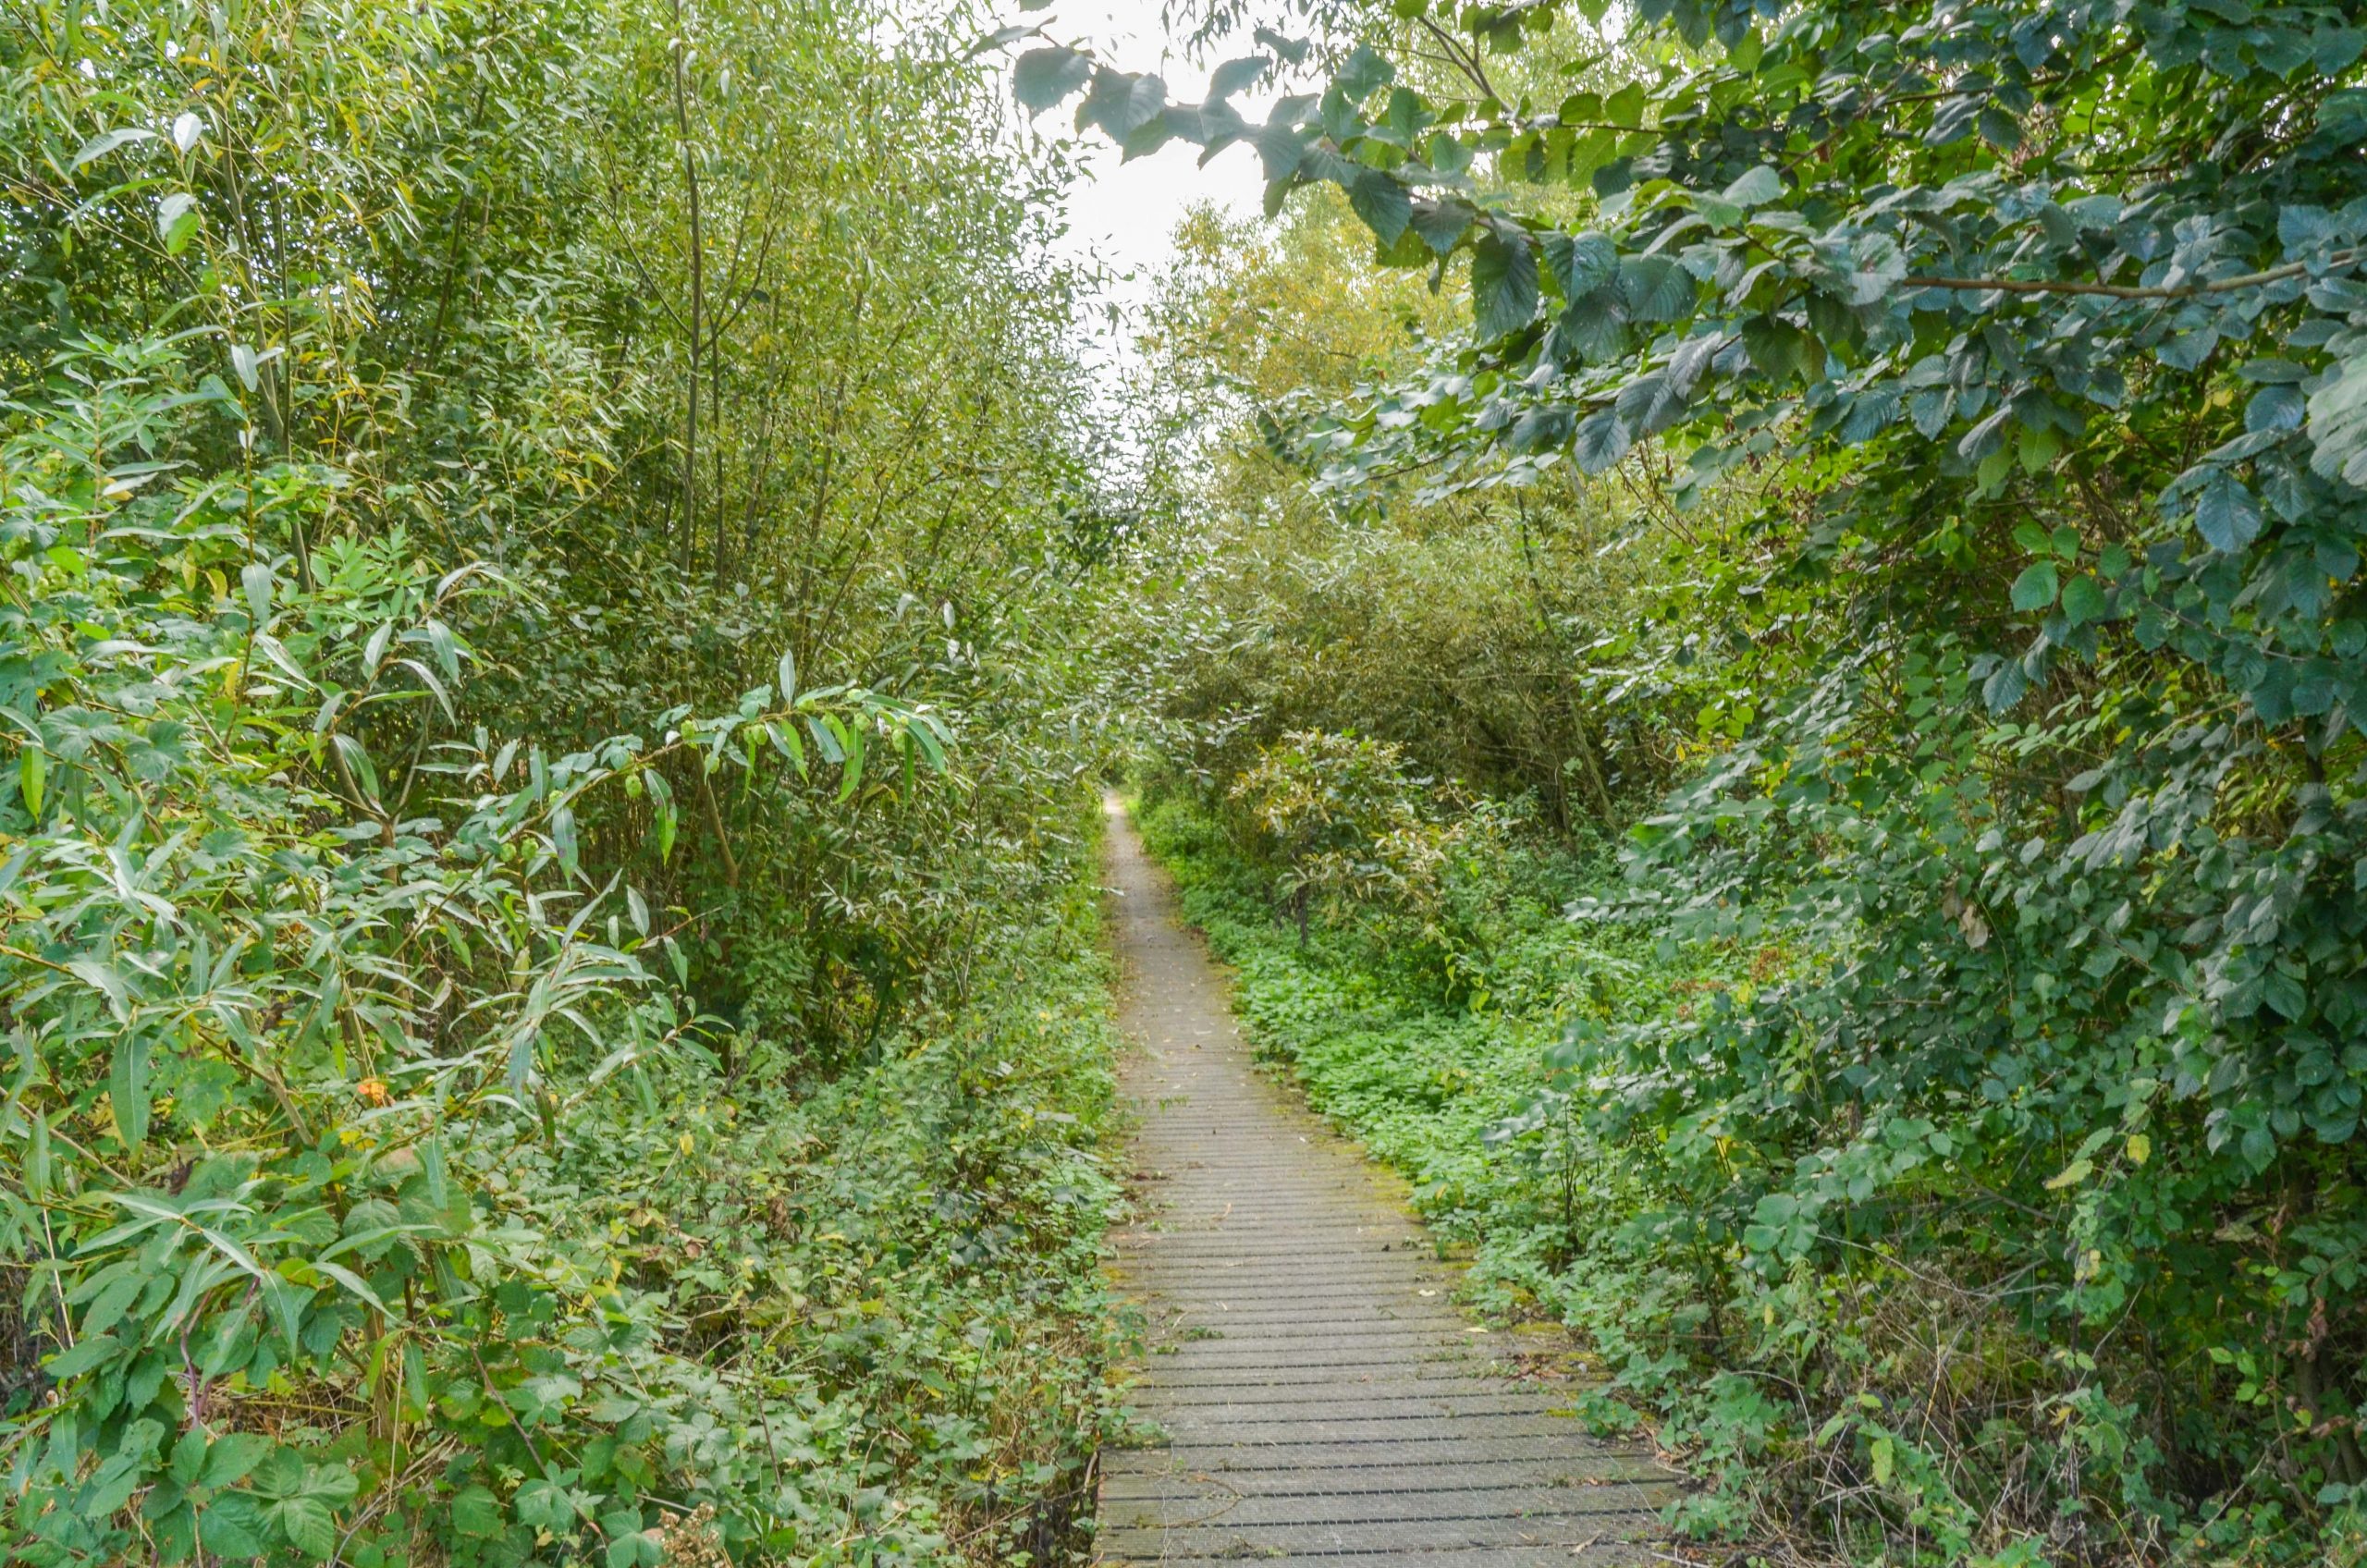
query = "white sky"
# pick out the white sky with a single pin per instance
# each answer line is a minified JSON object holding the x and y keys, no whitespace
{"x":1126,"y":217}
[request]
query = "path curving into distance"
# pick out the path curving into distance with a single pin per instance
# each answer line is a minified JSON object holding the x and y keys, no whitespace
{"x":1320,"y":1396}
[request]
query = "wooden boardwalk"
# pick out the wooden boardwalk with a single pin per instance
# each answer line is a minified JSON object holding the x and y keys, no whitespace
{"x":1320,"y":1396}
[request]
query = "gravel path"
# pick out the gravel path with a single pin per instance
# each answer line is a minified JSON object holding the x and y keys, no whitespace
{"x":1320,"y":1396}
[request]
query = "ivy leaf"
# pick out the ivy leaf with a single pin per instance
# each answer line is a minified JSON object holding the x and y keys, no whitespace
{"x":1503,"y":283}
{"x":1044,"y":77}
{"x":2035,"y":588}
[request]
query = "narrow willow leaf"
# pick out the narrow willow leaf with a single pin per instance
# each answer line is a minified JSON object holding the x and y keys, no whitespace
{"x":127,"y":1087}
{"x":32,"y":779}
{"x":255,"y":578}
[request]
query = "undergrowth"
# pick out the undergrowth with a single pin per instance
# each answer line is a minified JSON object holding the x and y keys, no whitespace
{"x":1874,"y":1413}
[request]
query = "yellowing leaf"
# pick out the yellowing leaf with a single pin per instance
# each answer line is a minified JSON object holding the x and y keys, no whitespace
{"x":2070,"y":1175}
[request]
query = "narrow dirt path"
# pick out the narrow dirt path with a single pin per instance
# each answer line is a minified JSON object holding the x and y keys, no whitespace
{"x":1320,"y":1396}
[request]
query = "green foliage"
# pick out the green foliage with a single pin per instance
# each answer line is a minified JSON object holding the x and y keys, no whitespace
{"x":303,"y":1112}
{"x":1469,"y":630}
{"x":553,"y":1001}
{"x":1890,"y":1371}
{"x":2001,"y":1197}
{"x":1346,"y":827}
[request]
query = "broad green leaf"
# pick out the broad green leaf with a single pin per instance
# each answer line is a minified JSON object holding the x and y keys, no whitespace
{"x":232,"y":1527}
{"x":2226,"y":513}
{"x":232,"y":1456}
{"x":2035,"y":588}
{"x":1365,"y":71}
{"x":1383,"y":204}
{"x":1044,"y":77}
{"x":1237,"y":76}
{"x":1599,"y":441}
{"x":477,"y":1512}
{"x":92,"y":1351}
{"x":1580,"y":263}
{"x":1656,"y":289}
{"x":1782,"y":349}
{"x":1120,"y":103}
{"x":307,"y":1524}
{"x":2082,"y":600}
{"x":1503,"y":283}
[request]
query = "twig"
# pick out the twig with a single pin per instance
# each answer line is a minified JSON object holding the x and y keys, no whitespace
{"x":2127,"y":291}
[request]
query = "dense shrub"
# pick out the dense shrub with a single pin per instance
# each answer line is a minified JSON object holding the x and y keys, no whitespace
{"x":2000,"y":1199}
{"x":547,"y":944}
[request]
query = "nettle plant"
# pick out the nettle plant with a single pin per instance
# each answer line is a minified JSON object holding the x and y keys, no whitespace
{"x":2058,"y":314}
{"x":278,"y":993}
